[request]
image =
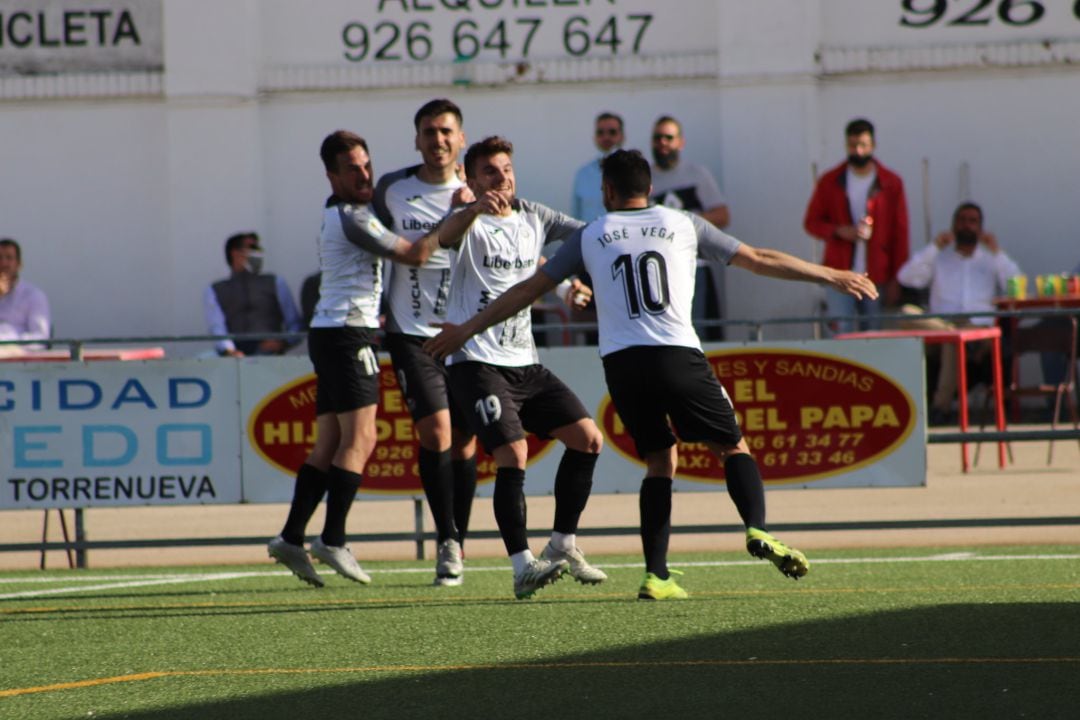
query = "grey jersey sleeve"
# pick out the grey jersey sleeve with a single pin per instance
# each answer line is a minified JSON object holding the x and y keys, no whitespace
{"x":567,"y":259}
{"x":364,"y":230}
{"x":378,"y":201}
{"x":713,"y":243}
{"x":557,"y":226}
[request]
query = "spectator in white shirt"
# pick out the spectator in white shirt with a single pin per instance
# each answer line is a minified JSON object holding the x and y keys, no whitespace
{"x":965,"y":269}
{"x":24,"y":309}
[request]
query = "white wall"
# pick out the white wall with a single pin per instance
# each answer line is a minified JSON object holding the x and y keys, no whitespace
{"x":122,"y":203}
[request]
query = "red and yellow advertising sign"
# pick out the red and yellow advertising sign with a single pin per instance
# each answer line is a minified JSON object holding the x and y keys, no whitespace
{"x":281,"y":428}
{"x":805,"y":415}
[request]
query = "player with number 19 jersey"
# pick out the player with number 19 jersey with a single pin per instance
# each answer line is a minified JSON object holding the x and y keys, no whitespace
{"x":642,"y":263}
{"x":494,"y":255}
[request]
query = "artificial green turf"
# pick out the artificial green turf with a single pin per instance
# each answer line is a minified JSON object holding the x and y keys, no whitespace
{"x":972,"y":638}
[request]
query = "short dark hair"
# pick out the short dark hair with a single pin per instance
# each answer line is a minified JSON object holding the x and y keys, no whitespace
{"x":668,"y":119}
{"x":858,"y":126}
{"x":609,"y":116}
{"x":967,"y":206}
{"x":628,"y":173}
{"x":435,"y":108}
{"x":236,"y":242}
{"x":337,"y":142}
{"x":487,"y":147}
{"x":8,"y":242}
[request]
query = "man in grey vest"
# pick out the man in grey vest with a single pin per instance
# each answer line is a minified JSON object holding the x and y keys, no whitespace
{"x":249,"y":302}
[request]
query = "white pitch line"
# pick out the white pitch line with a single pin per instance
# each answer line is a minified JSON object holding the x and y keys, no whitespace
{"x":120,"y":582}
{"x":109,"y":586}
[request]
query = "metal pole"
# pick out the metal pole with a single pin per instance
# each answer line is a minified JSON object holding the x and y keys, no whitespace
{"x":418,"y":516}
{"x":44,"y":538}
{"x":926,"y":200}
{"x":67,"y":538}
{"x":80,"y":538}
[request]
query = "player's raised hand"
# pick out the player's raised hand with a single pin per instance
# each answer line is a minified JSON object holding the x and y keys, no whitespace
{"x":492,"y":202}
{"x":579,"y":295}
{"x":462,"y":196}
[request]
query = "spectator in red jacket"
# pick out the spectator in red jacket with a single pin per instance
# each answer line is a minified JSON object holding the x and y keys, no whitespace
{"x":859,"y":211}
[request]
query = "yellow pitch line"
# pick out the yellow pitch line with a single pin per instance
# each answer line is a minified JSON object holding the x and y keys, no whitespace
{"x":139,"y":677}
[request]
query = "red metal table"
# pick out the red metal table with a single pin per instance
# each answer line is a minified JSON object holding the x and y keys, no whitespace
{"x":959,"y":337}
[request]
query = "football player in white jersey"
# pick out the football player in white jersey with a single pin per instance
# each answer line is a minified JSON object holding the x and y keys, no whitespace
{"x":642,"y":260}
{"x":352,"y":244}
{"x":496,"y":378}
{"x":411,"y":202}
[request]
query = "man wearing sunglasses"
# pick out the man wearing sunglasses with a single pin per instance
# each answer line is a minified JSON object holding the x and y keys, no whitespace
{"x":588,"y":202}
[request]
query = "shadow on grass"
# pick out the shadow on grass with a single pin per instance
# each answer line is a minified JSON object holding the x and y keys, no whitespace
{"x":1009,"y":660}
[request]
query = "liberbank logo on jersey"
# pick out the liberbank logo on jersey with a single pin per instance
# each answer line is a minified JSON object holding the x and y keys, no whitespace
{"x":498,"y":262}
{"x":411,"y":223}
{"x":76,"y":435}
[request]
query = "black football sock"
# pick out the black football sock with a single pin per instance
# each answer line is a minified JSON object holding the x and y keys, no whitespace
{"x":308,"y":492}
{"x":746,"y":489}
{"x":464,"y":472}
{"x":510,"y":509}
{"x":341,"y":491}
{"x":573,"y":483}
{"x":437,"y":479}
{"x":654,"y":502}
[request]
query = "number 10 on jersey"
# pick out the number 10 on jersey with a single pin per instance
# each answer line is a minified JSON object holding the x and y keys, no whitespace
{"x":644,"y":282}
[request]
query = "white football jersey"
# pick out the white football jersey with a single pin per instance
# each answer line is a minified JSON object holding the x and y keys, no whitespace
{"x":494,"y":255}
{"x":352,"y":244}
{"x":642,"y":264}
{"x":416,"y":296}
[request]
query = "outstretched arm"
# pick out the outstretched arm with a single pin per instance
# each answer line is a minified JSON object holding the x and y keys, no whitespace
{"x":451,"y":230}
{"x":773,"y":263}
{"x":447,"y":233}
{"x":453,"y":337}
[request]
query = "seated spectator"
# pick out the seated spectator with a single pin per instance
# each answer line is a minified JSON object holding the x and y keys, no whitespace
{"x":249,"y":302}
{"x":24,"y":309}
{"x":965,"y":269}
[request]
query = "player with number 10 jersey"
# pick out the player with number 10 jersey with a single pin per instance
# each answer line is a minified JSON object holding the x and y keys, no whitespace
{"x":647,"y":257}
